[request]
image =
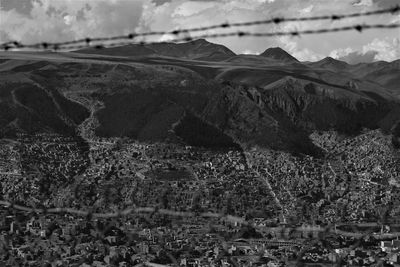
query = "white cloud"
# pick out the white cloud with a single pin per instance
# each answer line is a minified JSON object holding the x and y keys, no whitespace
{"x":387,"y":49}
{"x":57,"y":20}
{"x":341,"y":52}
{"x":187,"y":9}
{"x":363,"y":3}
{"x":307,"y":10}
{"x":69,"y":19}
{"x":250,"y":52}
{"x":356,"y":57}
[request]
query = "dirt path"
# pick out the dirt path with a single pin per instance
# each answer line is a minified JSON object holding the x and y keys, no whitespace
{"x":87,"y":128}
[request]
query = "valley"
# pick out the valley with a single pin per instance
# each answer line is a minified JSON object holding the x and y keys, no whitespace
{"x":271,"y":149}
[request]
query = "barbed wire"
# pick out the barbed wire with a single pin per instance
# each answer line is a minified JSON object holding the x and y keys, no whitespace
{"x":88,"y":42}
{"x":358,"y":27}
{"x":11,"y":45}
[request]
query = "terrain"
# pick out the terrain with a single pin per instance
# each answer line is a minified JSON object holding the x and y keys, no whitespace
{"x":227,"y":158}
{"x":198,"y":93}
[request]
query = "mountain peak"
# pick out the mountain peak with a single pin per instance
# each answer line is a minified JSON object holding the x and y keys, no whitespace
{"x":278,"y":53}
{"x":329,"y":59}
{"x":200,"y":41}
{"x":331,"y":62}
{"x":199,"y":49}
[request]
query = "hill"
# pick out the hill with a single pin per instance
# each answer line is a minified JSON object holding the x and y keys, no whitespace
{"x":278,"y":53}
{"x":199,"y":49}
{"x":330,"y":64}
{"x":239,"y":100}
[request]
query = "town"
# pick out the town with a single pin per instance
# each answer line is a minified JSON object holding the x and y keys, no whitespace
{"x":276,"y":209}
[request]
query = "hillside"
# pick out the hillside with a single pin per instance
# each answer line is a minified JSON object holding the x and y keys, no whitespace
{"x":199,"y":49}
{"x":31,"y":108}
{"x":176,"y":97}
{"x":278,"y":53}
{"x":330,"y":64}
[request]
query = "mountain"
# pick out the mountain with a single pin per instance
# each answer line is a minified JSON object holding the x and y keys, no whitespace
{"x":330,"y":64}
{"x":131,"y":50}
{"x":383,"y":73}
{"x":199,"y":49}
{"x":278,"y":53}
{"x":167,"y":94}
{"x":29,"y":107}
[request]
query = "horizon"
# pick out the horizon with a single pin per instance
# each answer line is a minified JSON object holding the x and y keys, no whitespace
{"x":31,"y":21}
{"x":199,"y":133}
{"x":210,"y":41}
{"x":258,"y":54}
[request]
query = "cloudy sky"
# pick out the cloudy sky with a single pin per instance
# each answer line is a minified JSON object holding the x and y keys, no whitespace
{"x":32,"y":21}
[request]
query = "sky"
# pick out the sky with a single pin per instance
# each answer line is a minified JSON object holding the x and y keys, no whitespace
{"x":31,"y":21}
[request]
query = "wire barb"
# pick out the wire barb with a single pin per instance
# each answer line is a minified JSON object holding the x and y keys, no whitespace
{"x":85,"y":42}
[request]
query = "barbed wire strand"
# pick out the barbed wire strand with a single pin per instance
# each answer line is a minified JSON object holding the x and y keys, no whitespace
{"x":359,"y":27}
{"x":277,"y":20}
{"x":154,"y":210}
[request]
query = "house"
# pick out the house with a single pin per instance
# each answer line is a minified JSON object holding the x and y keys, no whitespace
{"x":35,"y":227}
{"x":389,"y":246}
{"x":111,"y":239}
{"x":394,"y":258}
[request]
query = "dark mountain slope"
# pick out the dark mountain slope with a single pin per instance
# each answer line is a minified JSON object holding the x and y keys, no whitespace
{"x":316,"y":106}
{"x":240,"y":112}
{"x":197,"y":102}
{"x":31,"y":109}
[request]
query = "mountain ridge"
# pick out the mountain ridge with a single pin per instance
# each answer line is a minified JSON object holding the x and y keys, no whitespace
{"x":197,"y":49}
{"x":240,"y":100}
{"x":278,"y":53}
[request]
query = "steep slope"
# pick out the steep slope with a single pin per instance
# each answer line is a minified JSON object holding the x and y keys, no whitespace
{"x":170,"y":99}
{"x":314,"y":106}
{"x":30,"y":108}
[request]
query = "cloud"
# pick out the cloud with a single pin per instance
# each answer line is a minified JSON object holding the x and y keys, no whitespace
{"x":250,"y":52}
{"x":160,"y":2}
{"x":379,"y":49}
{"x":192,"y":8}
{"x":22,"y":6}
{"x":363,"y":3}
{"x":49,"y":20}
{"x":387,"y":49}
{"x":178,"y":14}
{"x":70,"y":19}
{"x":307,"y":10}
{"x":341,"y":52}
{"x":359,"y":57}
{"x":385,"y":3}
